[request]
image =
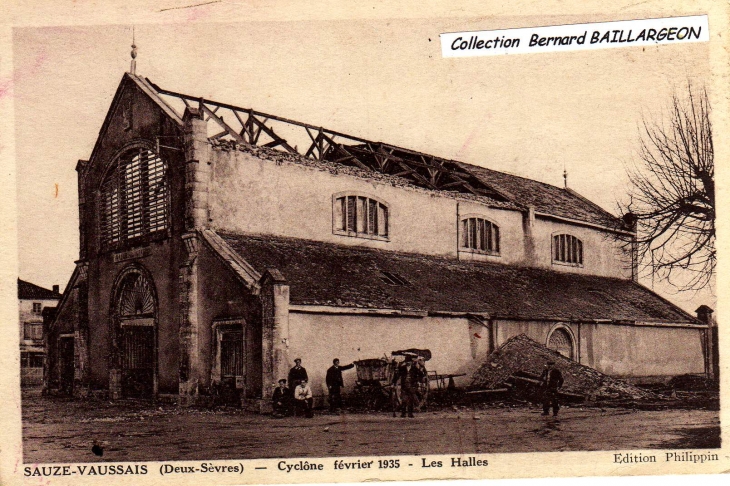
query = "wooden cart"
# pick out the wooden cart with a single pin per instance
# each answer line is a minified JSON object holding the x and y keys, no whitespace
{"x":375,"y":377}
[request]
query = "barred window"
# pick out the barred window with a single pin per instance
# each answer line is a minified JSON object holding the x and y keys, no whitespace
{"x":567,"y":249}
{"x":360,"y":216}
{"x":479,"y":235}
{"x":134,"y":198}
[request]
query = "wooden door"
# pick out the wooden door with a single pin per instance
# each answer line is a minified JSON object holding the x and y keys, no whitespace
{"x":66,"y":363}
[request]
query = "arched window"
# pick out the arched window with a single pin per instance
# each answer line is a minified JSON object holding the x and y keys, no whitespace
{"x":134,"y":198}
{"x":561,"y":340}
{"x":567,"y":249}
{"x":479,"y":235}
{"x":360,"y":216}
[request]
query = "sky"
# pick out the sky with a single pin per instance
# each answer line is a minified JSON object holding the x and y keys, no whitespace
{"x":530,"y":115}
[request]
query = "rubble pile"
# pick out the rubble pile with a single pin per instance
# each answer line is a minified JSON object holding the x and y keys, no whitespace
{"x":520,"y":361}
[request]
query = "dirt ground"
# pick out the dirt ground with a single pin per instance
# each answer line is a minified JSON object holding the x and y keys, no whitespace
{"x":65,"y":430}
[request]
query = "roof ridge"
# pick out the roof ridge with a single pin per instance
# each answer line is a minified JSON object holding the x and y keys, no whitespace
{"x":585,"y":199}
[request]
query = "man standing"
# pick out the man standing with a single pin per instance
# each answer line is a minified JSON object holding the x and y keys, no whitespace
{"x":551,"y":380}
{"x":335,"y":383}
{"x":297,"y":374}
{"x":281,"y":399}
{"x":303,"y":399}
{"x":409,"y":376}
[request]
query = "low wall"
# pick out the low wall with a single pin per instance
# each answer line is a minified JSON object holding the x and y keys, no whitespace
{"x":459,"y":345}
{"x":318,"y":338}
{"x":631,"y":351}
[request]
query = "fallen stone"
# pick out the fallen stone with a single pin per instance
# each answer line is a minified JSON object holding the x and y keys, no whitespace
{"x":520,"y":360}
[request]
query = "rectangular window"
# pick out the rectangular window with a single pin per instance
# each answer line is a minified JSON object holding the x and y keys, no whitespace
{"x":33,"y":331}
{"x":37,"y":307}
{"x":35,"y":360}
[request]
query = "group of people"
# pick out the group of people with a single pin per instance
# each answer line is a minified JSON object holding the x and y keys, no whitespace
{"x":297,"y":397}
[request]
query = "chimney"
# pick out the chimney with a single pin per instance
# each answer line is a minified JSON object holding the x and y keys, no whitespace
{"x":704,"y":314}
{"x":711,"y":343}
{"x":56,"y":289}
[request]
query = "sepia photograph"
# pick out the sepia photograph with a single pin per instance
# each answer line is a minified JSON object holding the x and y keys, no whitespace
{"x":307,"y":239}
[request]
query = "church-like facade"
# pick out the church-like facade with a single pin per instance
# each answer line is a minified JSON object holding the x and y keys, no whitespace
{"x":214,"y":251}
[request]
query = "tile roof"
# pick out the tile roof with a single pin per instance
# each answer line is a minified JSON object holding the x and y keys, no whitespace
{"x":545,"y":198}
{"x":29,"y":291}
{"x":333,"y":275}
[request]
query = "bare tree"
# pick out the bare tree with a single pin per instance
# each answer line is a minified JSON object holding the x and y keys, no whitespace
{"x":672,"y":198}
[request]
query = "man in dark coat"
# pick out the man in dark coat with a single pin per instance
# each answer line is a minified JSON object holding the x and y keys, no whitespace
{"x":281,"y":400}
{"x":297,"y":375}
{"x":551,"y":381}
{"x":408,"y":375}
{"x":335,"y":383}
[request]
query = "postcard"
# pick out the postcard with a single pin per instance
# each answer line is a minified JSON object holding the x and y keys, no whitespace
{"x":252,"y":244}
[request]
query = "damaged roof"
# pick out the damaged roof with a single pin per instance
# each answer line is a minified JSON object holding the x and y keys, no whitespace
{"x":497,"y":189}
{"x":334,"y":275}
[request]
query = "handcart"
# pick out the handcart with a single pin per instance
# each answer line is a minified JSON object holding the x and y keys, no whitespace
{"x":375,"y":386}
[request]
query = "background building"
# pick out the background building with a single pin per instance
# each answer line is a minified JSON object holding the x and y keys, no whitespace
{"x":213,"y":251}
{"x":32,"y":300}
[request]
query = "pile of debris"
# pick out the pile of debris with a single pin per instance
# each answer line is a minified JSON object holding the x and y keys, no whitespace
{"x":517,"y":365}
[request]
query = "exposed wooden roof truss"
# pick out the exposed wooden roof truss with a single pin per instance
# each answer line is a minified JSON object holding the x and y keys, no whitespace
{"x":247,"y":126}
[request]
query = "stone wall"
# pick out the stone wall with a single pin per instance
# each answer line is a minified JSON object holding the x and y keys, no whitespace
{"x":254,"y":191}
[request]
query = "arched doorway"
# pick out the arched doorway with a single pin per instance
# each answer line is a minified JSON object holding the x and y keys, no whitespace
{"x":560,"y":339}
{"x":135,"y":338}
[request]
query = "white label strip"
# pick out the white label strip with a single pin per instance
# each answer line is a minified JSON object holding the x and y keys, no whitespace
{"x":576,"y":37}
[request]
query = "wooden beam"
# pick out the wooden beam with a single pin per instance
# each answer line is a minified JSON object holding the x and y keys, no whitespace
{"x":268,"y":131}
{"x":404,"y":173}
{"x":223,"y":124}
{"x":342,"y":149}
{"x":417,"y":176}
{"x":221,"y":134}
{"x":275,"y":143}
{"x":244,"y":126}
{"x":310,"y":152}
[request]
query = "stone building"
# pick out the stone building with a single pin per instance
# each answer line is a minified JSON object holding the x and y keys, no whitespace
{"x":214,"y":251}
{"x":32,"y":302}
